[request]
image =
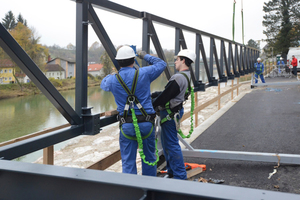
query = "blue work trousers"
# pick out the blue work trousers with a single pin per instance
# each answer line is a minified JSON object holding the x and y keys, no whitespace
{"x":129,"y":147}
{"x":171,"y":147}
{"x":261,"y":78}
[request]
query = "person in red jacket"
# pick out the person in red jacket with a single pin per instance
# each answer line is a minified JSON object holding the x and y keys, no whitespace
{"x":294,"y":63}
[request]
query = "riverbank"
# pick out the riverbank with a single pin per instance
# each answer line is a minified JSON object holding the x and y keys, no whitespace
{"x":26,"y":89}
{"x":84,"y":151}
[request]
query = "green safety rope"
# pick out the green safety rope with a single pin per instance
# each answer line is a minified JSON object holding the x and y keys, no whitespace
{"x":140,"y":141}
{"x":192,"y":116}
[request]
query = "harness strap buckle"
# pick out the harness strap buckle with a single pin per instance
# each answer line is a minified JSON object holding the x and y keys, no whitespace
{"x":148,"y":117}
{"x":122,"y":120}
{"x":168,"y":117}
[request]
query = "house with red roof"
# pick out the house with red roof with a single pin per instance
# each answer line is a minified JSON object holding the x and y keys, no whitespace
{"x":96,"y":69}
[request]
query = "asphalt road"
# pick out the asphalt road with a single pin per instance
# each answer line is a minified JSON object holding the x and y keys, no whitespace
{"x":265,"y":120}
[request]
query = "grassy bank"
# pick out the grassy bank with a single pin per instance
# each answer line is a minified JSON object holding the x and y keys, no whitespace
{"x":15,"y":90}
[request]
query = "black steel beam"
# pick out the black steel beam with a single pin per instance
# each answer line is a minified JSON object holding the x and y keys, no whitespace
{"x":145,"y":38}
{"x":227,"y":62}
{"x":233,"y":61}
{"x":32,"y":181}
{"x":201,"y":46}
{"x":242,"y":54}
{"x":115,"y":8}
{"x":90,"y":127}
{"x":198,"y":85}
{"x":81,"y":56}
{"x":222,"y":77}
{"x":158,"y":47}
{"x":222,"y":48}
{"x":123,"y":10}
{"x":24,"y":147}
{"x":103,"y":36}
{"x":211,"y":57}
{"x":229,"y":58}
{"x":182,"y":40}
{"x":179,"y":42}
{"x":19,"y":56}
{"x":197,"y":62}
{"x":187,"y":28}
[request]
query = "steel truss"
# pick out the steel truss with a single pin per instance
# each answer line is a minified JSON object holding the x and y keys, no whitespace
{"x":53,"y":182}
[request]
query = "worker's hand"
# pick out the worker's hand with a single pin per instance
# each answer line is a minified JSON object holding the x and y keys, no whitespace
{"x":155,"y":94}
{"x":141,"y":54}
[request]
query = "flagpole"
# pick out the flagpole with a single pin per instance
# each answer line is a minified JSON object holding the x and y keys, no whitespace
{"x":242,"y":22}
{"x":233,"y":20}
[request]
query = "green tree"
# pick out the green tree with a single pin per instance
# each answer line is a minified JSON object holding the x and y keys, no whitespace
{"x":252,"y":43}
{"x":29,"y":41}
{"x":22,"y":20}
{"x":108,"y":66}
{"x":279,"y":19}
{"x":9,"y":21}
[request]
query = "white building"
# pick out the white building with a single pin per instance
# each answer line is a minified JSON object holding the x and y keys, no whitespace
{"x":68,"y":66}
{"x":55,"y":71}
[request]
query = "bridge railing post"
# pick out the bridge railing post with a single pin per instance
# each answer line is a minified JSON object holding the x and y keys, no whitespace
{"x":48,"y":155}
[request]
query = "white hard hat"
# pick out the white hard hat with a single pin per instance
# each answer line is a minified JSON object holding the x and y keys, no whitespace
{"x":187,"y":53}
{"x":258,"y":59}
{"x":125,"y":52}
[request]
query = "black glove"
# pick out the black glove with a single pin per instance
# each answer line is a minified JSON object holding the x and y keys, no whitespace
{"x":155,"y":94}
{"x":141,"y":54}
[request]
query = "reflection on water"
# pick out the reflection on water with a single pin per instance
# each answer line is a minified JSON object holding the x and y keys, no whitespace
{"x":24,"y":115}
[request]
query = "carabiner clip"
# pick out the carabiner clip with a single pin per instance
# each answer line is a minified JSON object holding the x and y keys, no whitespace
{"x":131,"y":101}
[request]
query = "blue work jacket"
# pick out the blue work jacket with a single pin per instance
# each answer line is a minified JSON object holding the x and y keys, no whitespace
{"x":259,"y":68}
{"x":146,"y":76}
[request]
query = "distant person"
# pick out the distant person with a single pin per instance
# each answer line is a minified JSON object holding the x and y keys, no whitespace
{"x":259,"y":70}
{"x":170,"y":105}
{"x":138,"y":83}
{"x":294,"y":63}
{"x":280,"y":64}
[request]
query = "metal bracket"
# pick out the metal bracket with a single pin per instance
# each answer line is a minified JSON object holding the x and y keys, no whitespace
{"x":199,"y":86}
{"x":223,"y":78}
{"x":213,"y":82}
{"x":230,"y":76}
{"x":87,"y":22}
{"x":91,"y":122}
{"x":237,"y":74}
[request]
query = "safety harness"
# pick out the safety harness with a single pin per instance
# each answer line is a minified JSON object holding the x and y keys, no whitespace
{"x":135,"y":119}
{"x":258,"y":67}
{"x":173,"y":114}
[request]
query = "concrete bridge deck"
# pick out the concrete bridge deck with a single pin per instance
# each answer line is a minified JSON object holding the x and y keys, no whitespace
{"x":271,"y":124}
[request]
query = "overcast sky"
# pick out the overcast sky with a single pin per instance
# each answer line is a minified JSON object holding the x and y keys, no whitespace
{"x":54,"y":20}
